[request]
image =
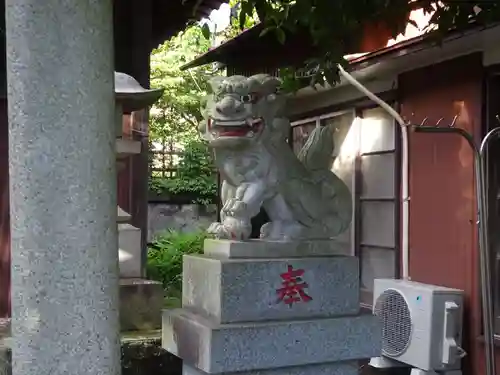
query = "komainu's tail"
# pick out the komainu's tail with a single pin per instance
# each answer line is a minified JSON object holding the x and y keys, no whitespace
{"x":316,"y":154}
{"x":336,"y":198}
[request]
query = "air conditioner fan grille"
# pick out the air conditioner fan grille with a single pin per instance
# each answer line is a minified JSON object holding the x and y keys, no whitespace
{"x":393,"y":311}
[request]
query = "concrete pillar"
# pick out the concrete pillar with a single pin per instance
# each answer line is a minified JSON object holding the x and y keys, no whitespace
{"x":63,"y":187}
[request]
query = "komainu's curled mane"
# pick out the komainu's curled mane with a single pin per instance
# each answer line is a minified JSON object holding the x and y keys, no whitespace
{"x":245,"y":125}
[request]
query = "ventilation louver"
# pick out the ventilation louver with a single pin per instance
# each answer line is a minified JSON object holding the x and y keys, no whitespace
{"x":394,"y":314}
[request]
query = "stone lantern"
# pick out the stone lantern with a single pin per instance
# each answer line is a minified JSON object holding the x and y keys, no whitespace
{"x":141,"y":300}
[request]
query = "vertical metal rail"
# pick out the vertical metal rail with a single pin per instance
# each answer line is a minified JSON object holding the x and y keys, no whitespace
{"x":482,"y":226}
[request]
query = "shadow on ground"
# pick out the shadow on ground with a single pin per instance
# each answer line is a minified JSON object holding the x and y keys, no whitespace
{"x":367,"y":370}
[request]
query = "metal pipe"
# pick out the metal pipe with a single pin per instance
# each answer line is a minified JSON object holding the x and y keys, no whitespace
{"x":486,"y":290}
{"x":485,"y":248}
{"x":462,"y":132}
{"x":482,"y":222}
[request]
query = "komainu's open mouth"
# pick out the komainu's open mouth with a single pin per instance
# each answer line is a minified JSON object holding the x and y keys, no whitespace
{"x":242,"y":128}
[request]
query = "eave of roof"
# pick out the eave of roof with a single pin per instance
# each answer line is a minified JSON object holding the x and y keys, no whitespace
{"x":257,"y":47}
{"x":168,"y":17}
{"x":226,"y":52}
{"x":218,"y":53}
{"x":249,"y":44}
{"x":412,"y":45}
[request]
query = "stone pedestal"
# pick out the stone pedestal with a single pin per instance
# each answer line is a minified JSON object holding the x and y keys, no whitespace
{"x":5,"y":362}
{"x":141,"y":302}
{"x":293,"y":309}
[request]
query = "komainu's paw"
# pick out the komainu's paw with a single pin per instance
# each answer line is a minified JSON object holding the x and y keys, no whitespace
{"x":281,"y":231}
{"x":217,"y":230}
{"x":231,"y":229}
{"x":236,"y":208}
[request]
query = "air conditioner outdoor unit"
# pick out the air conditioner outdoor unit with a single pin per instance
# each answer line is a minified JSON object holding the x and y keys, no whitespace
{"x":421,"y":327}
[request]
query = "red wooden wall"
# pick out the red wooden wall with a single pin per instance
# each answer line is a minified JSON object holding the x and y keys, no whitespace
{"x":443,"y":244}
{"x":125,"y":172}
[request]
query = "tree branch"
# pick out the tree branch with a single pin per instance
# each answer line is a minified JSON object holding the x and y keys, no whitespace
{"x":188,"y":119}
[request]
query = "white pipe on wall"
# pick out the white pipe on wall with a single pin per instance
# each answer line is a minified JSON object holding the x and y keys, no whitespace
{"x":405,"y":214}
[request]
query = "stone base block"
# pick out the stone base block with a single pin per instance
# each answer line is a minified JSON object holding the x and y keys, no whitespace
{"x":274,"y":249}
{"x":141,"y":303}
{"x":344,"y":368}
{"x":215,"y":348}
{"x":129,"y":251}
{"x":5,"y":359}
{"x":238,"y":290}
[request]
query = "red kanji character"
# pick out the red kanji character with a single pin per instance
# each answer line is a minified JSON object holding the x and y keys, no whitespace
{"x":293,"y":287}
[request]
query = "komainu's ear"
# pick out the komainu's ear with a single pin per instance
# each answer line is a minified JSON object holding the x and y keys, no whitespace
{"x":264,"y":83}
{"x":215,"y":83}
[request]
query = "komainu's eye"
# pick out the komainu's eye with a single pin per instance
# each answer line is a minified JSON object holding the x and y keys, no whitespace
{"x":246,"y":98}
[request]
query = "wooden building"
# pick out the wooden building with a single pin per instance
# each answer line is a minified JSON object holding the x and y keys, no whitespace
{"x":458,"y":81}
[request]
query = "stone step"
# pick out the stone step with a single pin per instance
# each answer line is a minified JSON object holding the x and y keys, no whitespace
{"x":237,"y":290}
{"x":141,"y":304}
{"x":344,"y":368}
{"x":227,"y":348}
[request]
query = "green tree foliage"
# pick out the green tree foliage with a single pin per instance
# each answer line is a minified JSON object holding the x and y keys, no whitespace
{"x":333,"y":22}
{"x":195,"y":175}
{"x":175,"y":117}
{"x":177,"y":114}
{"x":164,"y":261}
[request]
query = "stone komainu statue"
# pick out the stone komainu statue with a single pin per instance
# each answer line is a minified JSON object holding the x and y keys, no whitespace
{"x":244,"y":123}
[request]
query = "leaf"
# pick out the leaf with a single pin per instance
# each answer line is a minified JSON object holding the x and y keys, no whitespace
{"x":280,"y":35}
{"x":266,"y":30}
{"x":164,"y":257}
{"x":205,"y":29}
{"x":242,"y":18}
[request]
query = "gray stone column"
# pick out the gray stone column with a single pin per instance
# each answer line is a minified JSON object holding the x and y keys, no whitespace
{"x":63,"y":187}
